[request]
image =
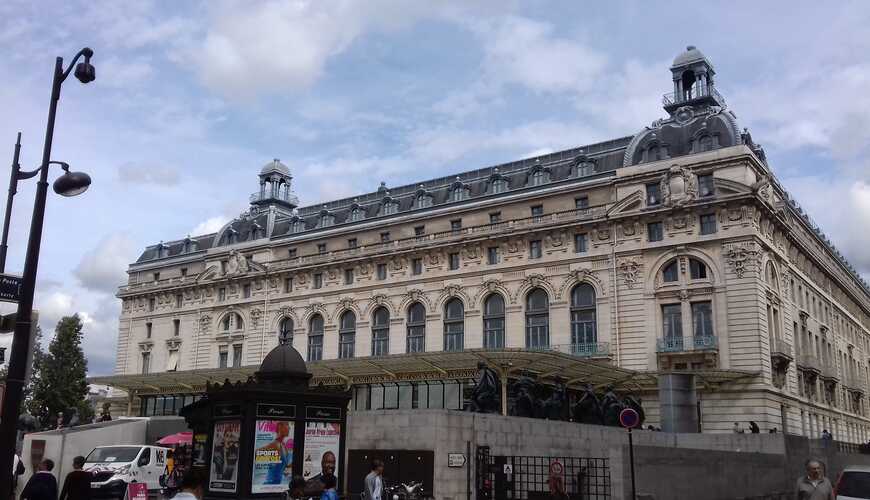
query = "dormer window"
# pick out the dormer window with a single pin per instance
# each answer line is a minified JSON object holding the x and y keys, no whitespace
{"x":297,"y":225}
{"x":390,"y":207}
{"x":232,"y":236}
{"x":326,"y":219}
{"x":256,"y":231}
{"x":585,"y":166}
{"x":423,"y":200}
{"x":459,"y":192}
{"x":356,"y":214}
{"x":162,"y":251}
{"x":539,"y":177}
{"x":499,"y":185}
{"x":189,"y":246}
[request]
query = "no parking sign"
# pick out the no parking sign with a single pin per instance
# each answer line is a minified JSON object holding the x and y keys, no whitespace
{"x":629,"y":418}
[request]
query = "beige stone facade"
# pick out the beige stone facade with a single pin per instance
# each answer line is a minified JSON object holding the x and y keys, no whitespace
{"x":698,"y":262}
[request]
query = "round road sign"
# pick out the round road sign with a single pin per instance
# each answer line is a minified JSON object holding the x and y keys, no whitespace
{"x":629,"y":418}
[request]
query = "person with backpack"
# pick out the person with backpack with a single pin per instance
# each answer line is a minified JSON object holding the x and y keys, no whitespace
{"x":17,"y":470}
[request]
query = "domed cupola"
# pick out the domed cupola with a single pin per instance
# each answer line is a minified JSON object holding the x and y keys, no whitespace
{"x":698,"y":120}
{"x":275,"y":187}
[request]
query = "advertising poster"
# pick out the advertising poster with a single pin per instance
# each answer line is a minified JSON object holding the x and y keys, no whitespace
{"x":321,"y":450}
{"x":273,"y":456}
{"x":225,"y":456}
{"x":199,"y":444}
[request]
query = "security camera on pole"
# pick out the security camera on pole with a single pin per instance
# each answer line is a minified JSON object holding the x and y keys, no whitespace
{"x":68,"y":184}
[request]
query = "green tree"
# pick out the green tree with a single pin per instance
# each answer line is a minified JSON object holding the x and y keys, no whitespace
{"x":60,"y":383}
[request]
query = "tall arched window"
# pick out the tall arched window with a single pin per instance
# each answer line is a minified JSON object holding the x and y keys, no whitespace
{"x":381,"y":332}
{"x":459,"y":193}
{"x":493,"y":322}
{"x":346,"y":334}
{"x":499,"y":185}
{"x":671,"y":272}
{"x":232,"y":321}
{"x":356,"y":214}
{"x":454,"y":325}
{"x":584,"y":331}
{"x":416,"y":328}
{"x":390,"y":207}
{"x":424,"y":200}
{"x":297,"y":226}
{"x":285,"y":331}
{"x":315,"y":338}
{"x":537,"y":319}
{"x":539,"y":177}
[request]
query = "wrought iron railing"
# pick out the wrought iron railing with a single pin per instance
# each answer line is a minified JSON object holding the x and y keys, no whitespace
{"x":584,"y":350}
{"x":694,"y":93}
{"x":290,"y":198}
{"x":684,"y":344}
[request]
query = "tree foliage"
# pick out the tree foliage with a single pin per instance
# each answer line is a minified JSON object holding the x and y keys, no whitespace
{"x":59,"y":382}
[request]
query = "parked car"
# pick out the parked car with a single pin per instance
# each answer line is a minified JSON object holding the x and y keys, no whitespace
{"x":853,"y":483}
{"x":114,"y":467}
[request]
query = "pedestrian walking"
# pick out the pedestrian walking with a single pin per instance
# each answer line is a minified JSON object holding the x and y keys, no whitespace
{"x":77,"y":485}
{"x":42,"y":485}
{"x":170,"y":480}
{"x":814,"y":485}
{"x":374,"y":482}
{"x":192,"y":485}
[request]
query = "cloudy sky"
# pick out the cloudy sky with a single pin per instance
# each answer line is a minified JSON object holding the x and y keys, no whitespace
{"x":192,"y":98}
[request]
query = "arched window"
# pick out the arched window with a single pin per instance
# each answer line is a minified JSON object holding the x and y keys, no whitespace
{"x":232,"y":322}
{"x":493,"y":322}
{"x":539,"y":177}
{"x":697,"y":269}
{"x":297,"y":226}
{"x":499,"y":185}
{"x":326,"y":220}
{"x":390,"y":207}
{"x":770,"y":277}
{"x":416,"y":328}
{"x":653,"y":153}
{"x":423,"y":200}
{"x":454,"y":325}
{"x":356,"y":214}
{"x":346,"y":334}
{"x":459,"y":193}
{"x":232,"y":236}
{"x":381,"y":332}
{"x":584,"y":330}
{"x":670,"y":273}
{"x":285,"y":331}
{"x":256,"y":231}
{"x":705,"y":143}
{"x":537,"y":320}
{"x":315,"y":338}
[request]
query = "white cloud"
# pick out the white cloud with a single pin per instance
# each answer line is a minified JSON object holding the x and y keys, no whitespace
{"x":120,"y":74}
{"x":103,"y":269}
{"x":843,"y":220}
{"x":139,"y":174}
{"x":210,"y":225}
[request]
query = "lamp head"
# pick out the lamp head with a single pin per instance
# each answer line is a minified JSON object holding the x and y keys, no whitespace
{"x":71,"y":183}
{"x":85,"y":71}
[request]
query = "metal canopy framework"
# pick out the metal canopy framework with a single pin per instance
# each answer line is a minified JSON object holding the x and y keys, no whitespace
{"x":546,"y":365}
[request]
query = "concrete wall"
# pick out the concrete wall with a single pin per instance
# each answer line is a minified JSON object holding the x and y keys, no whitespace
{"x":668,"y":466}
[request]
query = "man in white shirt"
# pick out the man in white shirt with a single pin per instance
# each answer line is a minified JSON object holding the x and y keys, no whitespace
{"x":192,"y":485}
{"x":374,"y":481}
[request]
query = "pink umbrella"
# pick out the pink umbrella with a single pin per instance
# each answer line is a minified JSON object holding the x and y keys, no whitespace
{"x":177,"y":438}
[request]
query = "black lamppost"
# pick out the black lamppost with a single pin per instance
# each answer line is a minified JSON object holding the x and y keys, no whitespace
{"x":69,"y":184}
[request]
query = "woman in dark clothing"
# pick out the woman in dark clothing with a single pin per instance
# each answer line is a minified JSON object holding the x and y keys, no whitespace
{"x":77,"y":485}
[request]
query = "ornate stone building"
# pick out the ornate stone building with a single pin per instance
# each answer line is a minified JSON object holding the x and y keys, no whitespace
{"x":672,"y":250}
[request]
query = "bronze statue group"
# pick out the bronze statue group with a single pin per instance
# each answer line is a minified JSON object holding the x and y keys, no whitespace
{"x":533,"y":399}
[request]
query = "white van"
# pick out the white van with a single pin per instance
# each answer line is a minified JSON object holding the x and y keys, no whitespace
{"x":113,"y":467}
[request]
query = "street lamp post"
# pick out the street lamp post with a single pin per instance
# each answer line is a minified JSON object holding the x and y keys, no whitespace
{"x":13,"y":188}
{"x":69,"y":184}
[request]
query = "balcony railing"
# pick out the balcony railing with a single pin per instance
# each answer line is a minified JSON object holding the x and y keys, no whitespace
{"x":585,"y":350}
{"x":672,"y":98}
{"x":781,"y":348}
{"x":687,"y":344}
{"x":810,"y":362}
{"x":289,"y":198}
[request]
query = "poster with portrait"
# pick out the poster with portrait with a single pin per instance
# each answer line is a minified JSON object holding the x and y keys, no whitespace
{"x":225,"y":456}
{"x":321,"y":450}
{"x":273,"y":456}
